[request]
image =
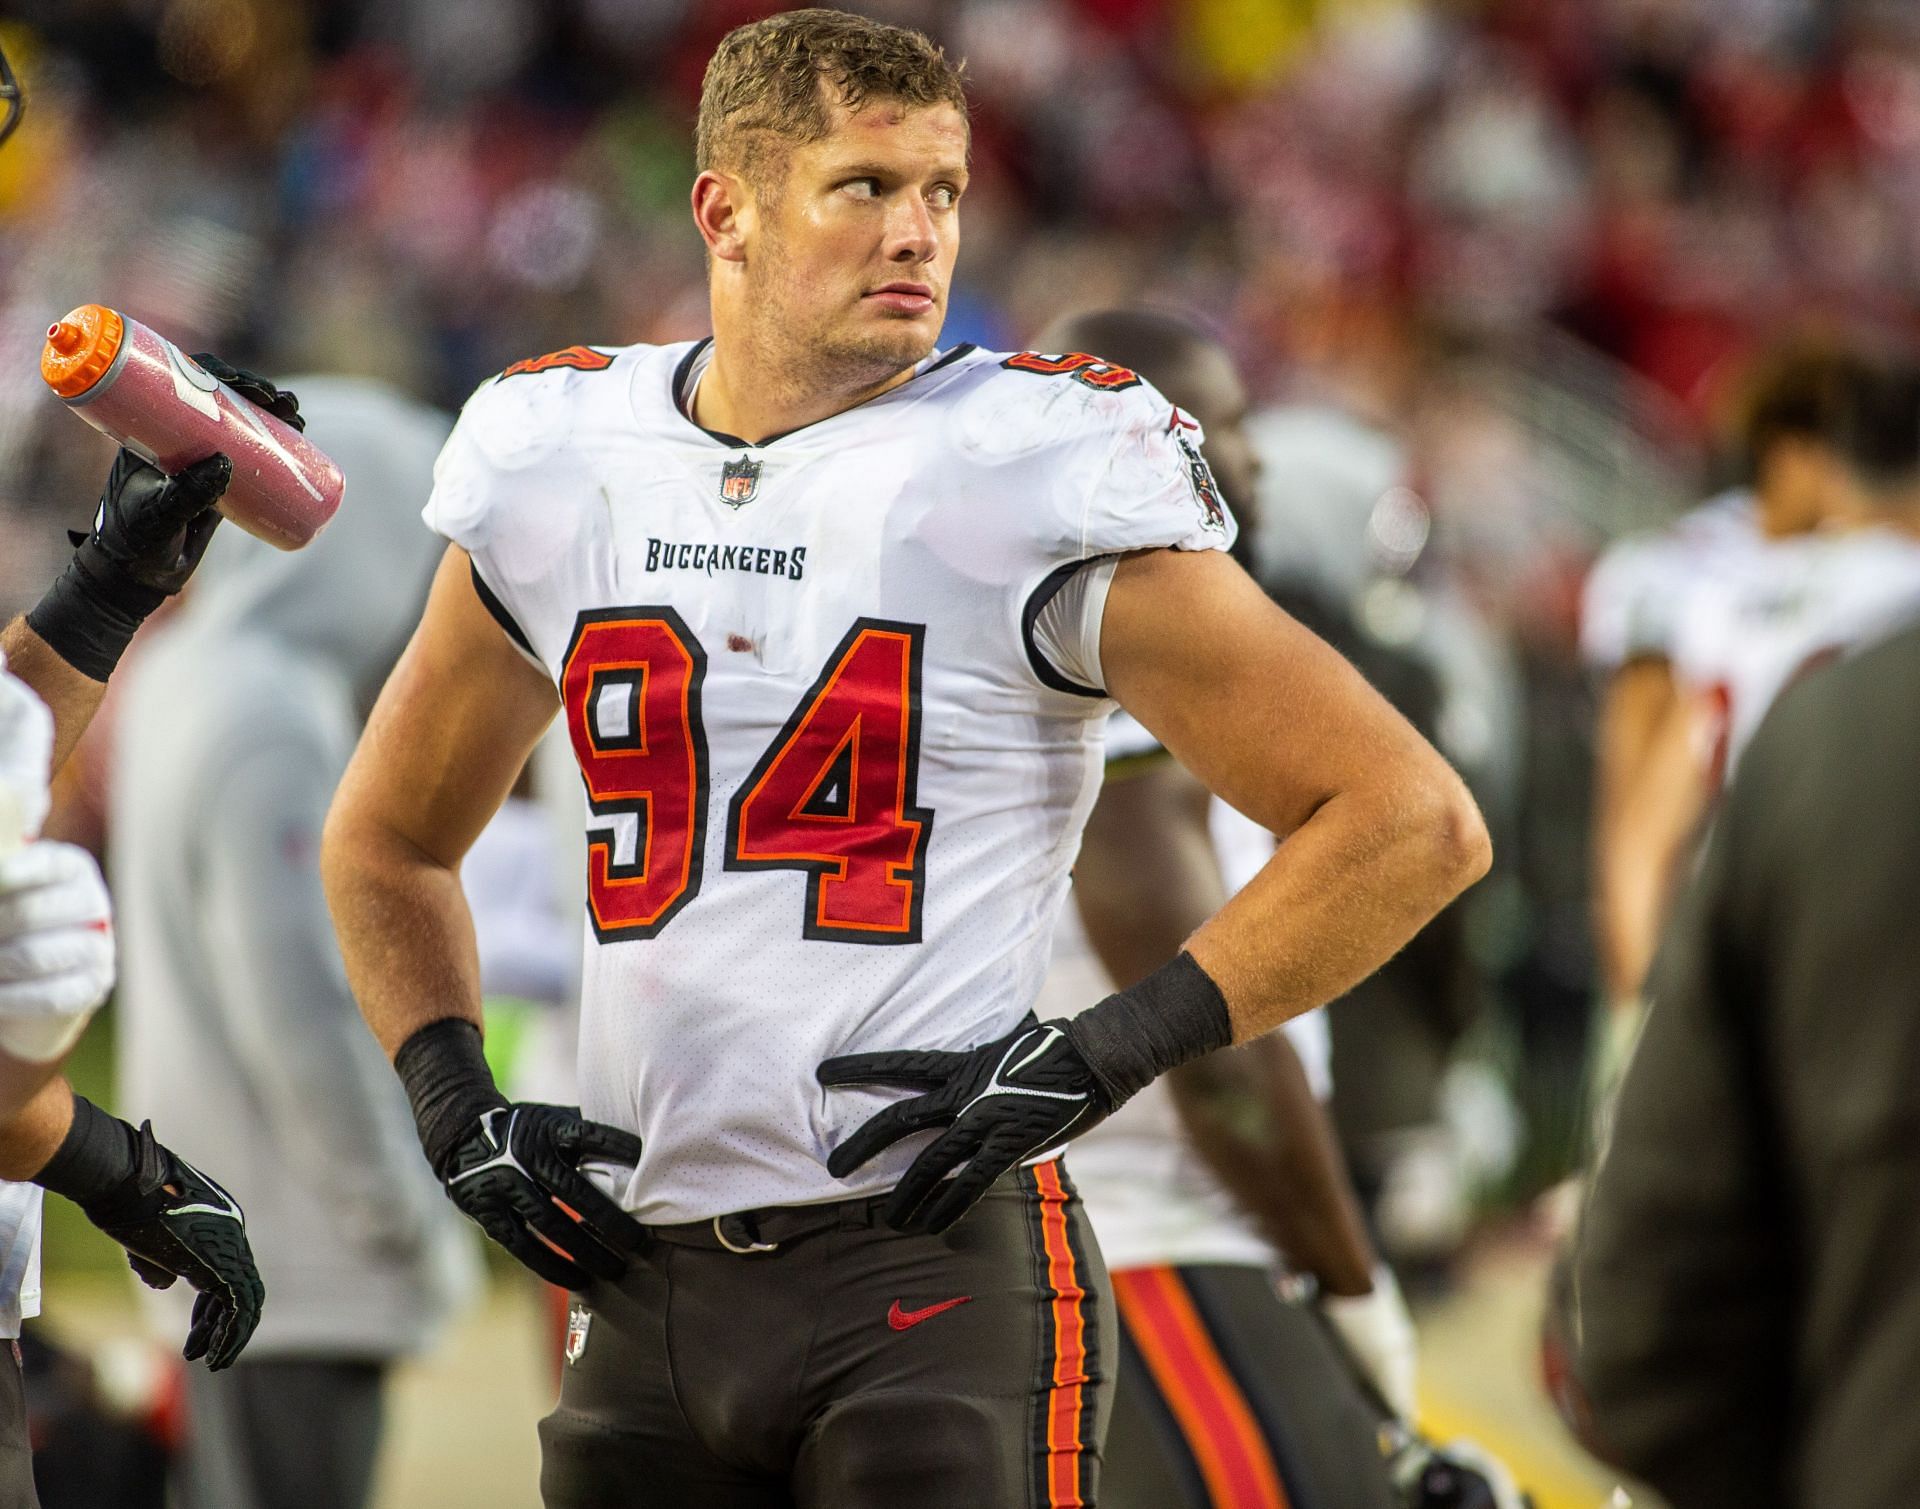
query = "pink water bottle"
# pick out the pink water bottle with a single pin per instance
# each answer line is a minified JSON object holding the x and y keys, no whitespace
{"x":137,"y":386}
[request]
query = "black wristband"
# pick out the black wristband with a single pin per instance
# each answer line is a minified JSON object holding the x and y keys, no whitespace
{"x":98,"y":1156}
{"x":448,"y":1084}
{"x":92,"y":611}
{"x":1172,"y":1017}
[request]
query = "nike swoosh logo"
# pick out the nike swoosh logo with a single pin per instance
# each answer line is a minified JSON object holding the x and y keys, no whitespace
{"x":905,"y":1320}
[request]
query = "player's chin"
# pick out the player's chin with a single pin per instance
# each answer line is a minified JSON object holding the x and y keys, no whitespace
{"x":899,"y":340}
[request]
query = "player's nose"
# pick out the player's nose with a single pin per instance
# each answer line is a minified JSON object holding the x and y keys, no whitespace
{"x":910,"y":231}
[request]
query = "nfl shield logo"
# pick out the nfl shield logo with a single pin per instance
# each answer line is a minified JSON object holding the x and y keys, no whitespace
{"x":739,"y":481}
{"x":579,"y":1317}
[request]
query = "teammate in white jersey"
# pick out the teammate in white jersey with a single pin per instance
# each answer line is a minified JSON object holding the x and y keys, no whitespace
{"x":831,"y":616}
{"x":1645,"y":804}
{"x":1227,"y":1393}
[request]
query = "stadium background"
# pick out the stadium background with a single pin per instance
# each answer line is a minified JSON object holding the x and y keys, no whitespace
{"x":1494,"y":270}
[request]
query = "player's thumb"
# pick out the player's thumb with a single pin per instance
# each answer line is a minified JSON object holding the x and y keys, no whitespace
{"x":195,"y":488}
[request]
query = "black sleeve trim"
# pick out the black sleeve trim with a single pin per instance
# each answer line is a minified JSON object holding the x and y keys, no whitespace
{"x":1043,"y":594}
{"x":951,"y":357}
{"x":499,"y":611}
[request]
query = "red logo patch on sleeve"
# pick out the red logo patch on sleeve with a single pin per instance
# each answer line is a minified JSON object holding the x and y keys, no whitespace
{"x":580,"y":358}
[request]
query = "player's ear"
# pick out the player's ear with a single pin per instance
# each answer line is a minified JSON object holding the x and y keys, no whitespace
{"x":722,"y":208}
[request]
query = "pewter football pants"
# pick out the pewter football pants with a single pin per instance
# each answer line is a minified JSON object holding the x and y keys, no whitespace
{"x":16,"y":1451}
{"x":1229,"y":1395}
{"x":848,"y":1368}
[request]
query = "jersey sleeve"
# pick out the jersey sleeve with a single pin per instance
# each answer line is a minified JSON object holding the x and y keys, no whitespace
{"x":491,"y":482}
{"x":26,"y":750}
{"x":1127,"y":473}
{"x":1153,"y":488}
{"x":1629,"y":607}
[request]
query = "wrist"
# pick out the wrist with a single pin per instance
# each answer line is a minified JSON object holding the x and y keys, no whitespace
{"x":95,"y":1159}
{"x":448,"y":1084}
{"x":92,"y":611}
{"x":1173,"y":1016}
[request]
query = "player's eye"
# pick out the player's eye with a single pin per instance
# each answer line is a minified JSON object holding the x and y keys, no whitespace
{"x":944,"y":196}
{"x":863,"y":188}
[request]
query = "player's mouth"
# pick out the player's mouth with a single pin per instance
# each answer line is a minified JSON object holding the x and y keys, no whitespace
{"x":903,"y":298}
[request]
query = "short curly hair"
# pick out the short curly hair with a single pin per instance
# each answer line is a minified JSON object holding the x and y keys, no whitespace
{"x":763,"y":87}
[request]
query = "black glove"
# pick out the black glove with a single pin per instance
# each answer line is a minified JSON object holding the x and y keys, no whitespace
{"x":279,"y":402}
{"x":175,"y":1222}
{"x":517,"y":1173}
{"x":148,"y":535}
{"x":1001,"y":1104}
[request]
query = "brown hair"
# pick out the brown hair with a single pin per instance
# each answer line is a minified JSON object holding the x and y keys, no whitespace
{"x":763,"y":83}
{"x":1798,"y":390}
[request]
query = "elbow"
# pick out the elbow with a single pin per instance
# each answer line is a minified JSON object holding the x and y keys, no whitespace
{"x":336,"y":844}
{"x":1456,"y":849}
{"x":345,"y":847}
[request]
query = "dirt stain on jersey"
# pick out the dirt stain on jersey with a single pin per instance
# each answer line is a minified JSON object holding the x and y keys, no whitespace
{"x":740,"y":644}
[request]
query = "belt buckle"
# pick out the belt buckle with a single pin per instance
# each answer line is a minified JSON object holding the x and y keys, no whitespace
{"x":753,"y":1243}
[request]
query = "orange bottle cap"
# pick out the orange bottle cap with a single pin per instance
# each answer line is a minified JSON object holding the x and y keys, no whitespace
{"x":80,"y":349}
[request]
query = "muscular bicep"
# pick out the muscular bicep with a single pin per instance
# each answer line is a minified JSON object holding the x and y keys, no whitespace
{"x":453,"y":726}
{"x":1261,"y":709}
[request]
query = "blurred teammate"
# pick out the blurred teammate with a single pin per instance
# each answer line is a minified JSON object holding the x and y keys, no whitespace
{"x":830,"y":614}
{"x":56,"y":940}
{"x":1650,"y":783}
{"x":237,"y":1031}
{"x":1744,"y":625}
{"x":1751,"y":1310}
{"x":1226,"y":1394}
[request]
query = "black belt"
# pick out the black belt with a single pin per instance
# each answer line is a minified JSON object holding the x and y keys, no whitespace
{"x":756,"y":1233}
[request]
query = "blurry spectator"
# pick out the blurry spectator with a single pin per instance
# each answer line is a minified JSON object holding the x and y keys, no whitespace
{"x":238,"y":1030}
{"x":1749,"y":1277}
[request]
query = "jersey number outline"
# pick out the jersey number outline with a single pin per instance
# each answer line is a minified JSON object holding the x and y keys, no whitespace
{"x":834,"y":794}
{"x":631,"y":685}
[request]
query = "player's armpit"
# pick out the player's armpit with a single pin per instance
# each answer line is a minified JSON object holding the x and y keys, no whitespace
{"x":453,"y":726}
{"x":1379,"y":833}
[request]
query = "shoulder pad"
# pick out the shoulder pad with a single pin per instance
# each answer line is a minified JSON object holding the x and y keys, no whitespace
{"x":1027,"y":401}
{"x":526,"y":412}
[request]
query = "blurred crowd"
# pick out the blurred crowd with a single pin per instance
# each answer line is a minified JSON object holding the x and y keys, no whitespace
{"x":1495,"y":271}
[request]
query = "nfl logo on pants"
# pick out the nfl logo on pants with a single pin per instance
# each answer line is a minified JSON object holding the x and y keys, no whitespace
{"x":579,"y":1317}
{"x":739,"y":481}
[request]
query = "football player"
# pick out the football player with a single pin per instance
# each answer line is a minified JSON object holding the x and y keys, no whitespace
{"x":1226,"y":1393}
{"x":1648,"y":787}
{"x":832,"y":616}
{"x":1747,"y":633}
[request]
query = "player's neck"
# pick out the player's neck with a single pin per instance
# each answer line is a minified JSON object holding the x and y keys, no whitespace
{"x":755,"y":395}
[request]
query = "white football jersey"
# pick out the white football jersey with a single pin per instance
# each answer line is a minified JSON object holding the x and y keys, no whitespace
{"x":1634,"y":595}
{"x":833,"y":785}
{"x":1153,"y":1201}
{"x":1745,"y":635}
{"x":26,"y":744}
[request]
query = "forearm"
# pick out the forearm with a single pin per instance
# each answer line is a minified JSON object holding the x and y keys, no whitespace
{"x":1251,"y":1114}
{"x":73,"y":696}
{"x":33,"y":1134}
{"x":23,"y":1082}
{"x":1342,"y":894}
{"x":405,"y":933}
